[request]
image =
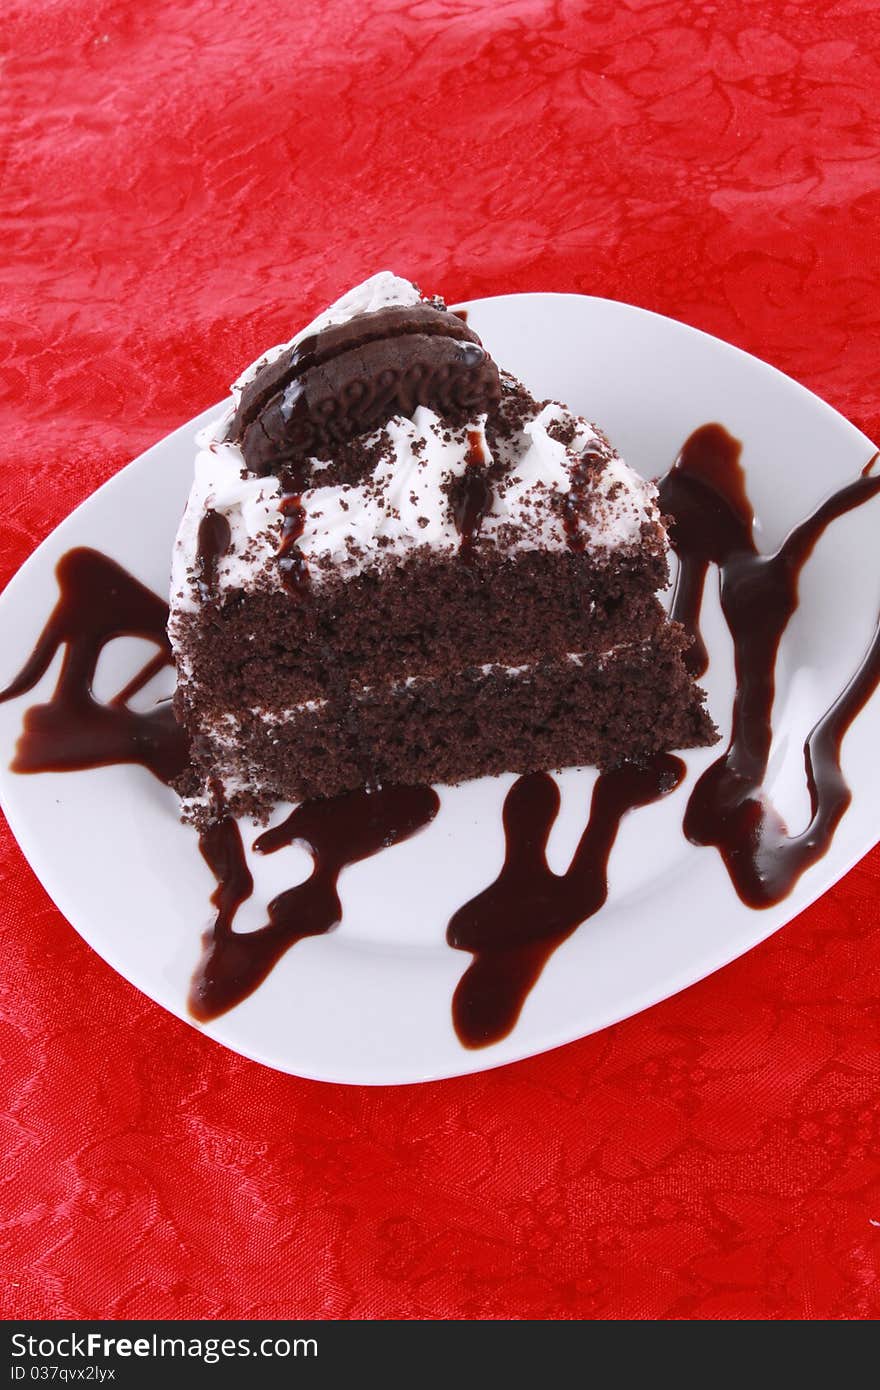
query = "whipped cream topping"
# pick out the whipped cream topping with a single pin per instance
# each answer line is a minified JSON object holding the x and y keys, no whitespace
{"x":404,"y":506}
{"x":621,"y":501}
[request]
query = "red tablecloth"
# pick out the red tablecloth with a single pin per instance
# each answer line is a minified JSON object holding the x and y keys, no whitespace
{"x":186,"y":182}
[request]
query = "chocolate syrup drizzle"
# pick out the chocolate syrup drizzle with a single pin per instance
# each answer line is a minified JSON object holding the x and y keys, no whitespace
{"x":514,"y":925}
{"x":337,"y":831}
{"x":212,"y":543}
{"x":473,"y":496}
{"x":705,"y":492}
{"x":291,"y":561}
{"x":98,"y":600}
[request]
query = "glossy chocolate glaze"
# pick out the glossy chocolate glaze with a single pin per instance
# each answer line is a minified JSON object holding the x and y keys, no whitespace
{"x":513,"y":927}
{"x":337,"y":832}
{"x":472,"y":497}
{"x":98,"y":600}
{"x":212,"y":544}
{"x":705,"y":493}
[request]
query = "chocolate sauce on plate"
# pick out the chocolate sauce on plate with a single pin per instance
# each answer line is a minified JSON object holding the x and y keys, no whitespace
{"x":337,"y":831}
{"x":514,"y":926}
{"x":705,"y":493}
{"x":98,"y":600}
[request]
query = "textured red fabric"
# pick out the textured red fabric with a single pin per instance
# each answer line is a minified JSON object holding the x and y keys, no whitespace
{"x":185,"y":181}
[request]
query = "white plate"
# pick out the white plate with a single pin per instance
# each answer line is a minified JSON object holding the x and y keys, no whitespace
{"x":370,"y":1003}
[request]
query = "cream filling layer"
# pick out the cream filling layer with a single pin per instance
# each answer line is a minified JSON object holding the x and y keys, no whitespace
{"x":225,"y":729}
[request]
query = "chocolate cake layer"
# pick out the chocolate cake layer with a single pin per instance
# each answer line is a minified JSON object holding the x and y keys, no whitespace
{"x":568,"y":712}
{"x":422,"y":619}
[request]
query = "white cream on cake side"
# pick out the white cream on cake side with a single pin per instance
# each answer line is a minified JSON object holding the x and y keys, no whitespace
{"x":225,"y":727}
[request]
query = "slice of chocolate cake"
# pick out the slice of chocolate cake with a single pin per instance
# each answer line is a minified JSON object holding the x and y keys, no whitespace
{"x":396,"y":566}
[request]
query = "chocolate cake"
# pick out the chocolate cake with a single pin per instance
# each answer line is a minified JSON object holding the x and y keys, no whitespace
{"x":397,"y":566}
